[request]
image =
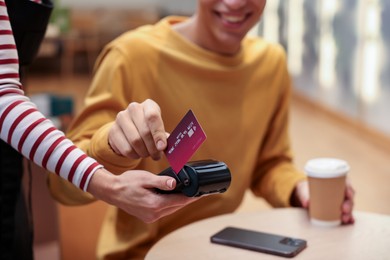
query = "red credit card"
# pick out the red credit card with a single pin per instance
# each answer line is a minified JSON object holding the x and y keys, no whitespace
{"x":183,"y":142}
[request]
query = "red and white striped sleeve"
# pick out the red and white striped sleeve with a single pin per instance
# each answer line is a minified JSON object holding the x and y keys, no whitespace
{"x":26,"y":129}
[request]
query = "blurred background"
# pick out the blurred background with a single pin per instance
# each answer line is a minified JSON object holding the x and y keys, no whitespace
{"x":337,"y":53}
{"x":338,"y":57}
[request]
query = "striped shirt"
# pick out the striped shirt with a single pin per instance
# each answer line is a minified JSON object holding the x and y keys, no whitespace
{"x":26,"y":129}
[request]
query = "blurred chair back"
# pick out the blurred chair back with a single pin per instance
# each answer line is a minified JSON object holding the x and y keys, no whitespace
{"x":81,"y":38}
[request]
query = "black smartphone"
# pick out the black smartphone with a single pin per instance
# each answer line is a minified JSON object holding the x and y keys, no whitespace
{"x":259,"y":241}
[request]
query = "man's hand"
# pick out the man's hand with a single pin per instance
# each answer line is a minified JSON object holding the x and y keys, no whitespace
{"x":138,"y":131}
{"x":301,"y":194}
{"x":133,"y":192}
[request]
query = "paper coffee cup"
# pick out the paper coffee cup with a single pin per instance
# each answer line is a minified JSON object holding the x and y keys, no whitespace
{"x":327,"y":190}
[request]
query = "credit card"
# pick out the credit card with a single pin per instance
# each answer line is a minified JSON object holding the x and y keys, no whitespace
{"x":184,"y":141}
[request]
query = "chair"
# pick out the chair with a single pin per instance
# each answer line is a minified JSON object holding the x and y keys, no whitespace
{"x":82,"y":37}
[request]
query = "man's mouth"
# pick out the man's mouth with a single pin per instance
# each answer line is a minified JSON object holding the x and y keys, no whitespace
{"x":233,"y":18}
{"x":233,"y":21}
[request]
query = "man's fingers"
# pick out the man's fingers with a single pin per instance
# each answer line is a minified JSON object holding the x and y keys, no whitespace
{"x":139,"y":131}
{"x":119,"y":143}
{"x":155,"y":123}
{"x":349,"y":193}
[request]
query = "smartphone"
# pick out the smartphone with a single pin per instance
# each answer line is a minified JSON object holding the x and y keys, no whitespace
{"x":259,"y":241}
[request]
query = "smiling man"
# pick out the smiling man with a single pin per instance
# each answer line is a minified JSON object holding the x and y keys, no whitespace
{"x":237,"y":86}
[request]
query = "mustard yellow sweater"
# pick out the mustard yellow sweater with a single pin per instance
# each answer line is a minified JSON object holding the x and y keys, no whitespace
{"x":242,"y":103}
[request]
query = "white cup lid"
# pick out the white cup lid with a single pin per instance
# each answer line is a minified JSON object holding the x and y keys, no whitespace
{"x":326,"y":168}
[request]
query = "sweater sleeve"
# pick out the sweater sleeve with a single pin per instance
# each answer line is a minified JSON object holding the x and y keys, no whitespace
{"x":26,"y":129}
{"x":276,"y":176}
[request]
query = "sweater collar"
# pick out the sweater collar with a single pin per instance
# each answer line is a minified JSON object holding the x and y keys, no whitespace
{"x":183,"y":44}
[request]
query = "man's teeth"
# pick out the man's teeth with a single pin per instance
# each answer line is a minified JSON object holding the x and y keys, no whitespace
{"x":233,"y":19}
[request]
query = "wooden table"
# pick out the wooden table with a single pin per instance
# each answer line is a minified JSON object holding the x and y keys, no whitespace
{"x":368,"y":238}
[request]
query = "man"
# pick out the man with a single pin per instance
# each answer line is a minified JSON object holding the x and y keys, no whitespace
{"x":239,"y":89}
